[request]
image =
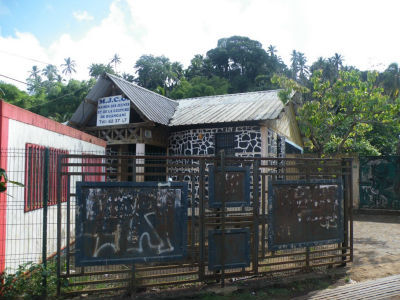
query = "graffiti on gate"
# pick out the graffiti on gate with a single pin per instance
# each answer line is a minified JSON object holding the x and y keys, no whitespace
{"x":130,"y":222}
{"x":380,"y":182}
{"x":304,"y":213}
{"x":237,"y":186}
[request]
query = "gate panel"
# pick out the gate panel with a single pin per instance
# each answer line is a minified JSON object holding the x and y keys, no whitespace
{"x":218,"y":220}
{"x":380,"y":182}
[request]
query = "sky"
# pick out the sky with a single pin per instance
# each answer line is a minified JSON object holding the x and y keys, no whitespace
{"x":40,"y":32}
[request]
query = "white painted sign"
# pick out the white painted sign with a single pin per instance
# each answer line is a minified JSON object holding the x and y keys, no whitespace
{"x":113,"y":110}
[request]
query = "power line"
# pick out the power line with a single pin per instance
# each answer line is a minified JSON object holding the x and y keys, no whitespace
{"x":14,"y":79}
{"x":25,"y":57}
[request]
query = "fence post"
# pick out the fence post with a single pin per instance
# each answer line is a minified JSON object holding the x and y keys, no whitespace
{"x":256,"y":165}
{"x":45,"y":201}
{"x":345,"y":178}
{"x":351,"y":209}
{"x":58,"y":261}
{"x":201,"y":216}
{"x":223,"y":210}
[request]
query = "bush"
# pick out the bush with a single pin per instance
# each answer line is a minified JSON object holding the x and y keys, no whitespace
{"x":27,"y":282}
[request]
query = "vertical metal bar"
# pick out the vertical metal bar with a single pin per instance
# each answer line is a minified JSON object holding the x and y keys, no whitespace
{"x":256,"y":211}
{"x":45,"y":200}
{"x":223,"y":209}
{"x":193,"y":223}
{"x":58,"y":261}
{"x":263,"y":212}
{"x":345,"y":211}
{"x":308,"y":171}
{"x":201,"y":217}
{"x":351,"y":209}
{"x":68,"y":222}
{"x":132,"y":284}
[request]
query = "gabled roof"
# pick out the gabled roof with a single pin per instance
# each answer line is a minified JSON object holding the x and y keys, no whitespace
{"x":151,"y":105}
{"x":253,"y":106}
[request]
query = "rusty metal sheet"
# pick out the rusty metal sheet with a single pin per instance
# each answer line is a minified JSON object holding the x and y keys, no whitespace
{"x":304,"y":213}
{"x":237,"y":187}
{"x":236,"y":245}
{"x":126,"y":222}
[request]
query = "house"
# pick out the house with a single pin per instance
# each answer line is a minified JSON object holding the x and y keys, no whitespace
{"x":132,"y":119}
{"x":25,"y":136}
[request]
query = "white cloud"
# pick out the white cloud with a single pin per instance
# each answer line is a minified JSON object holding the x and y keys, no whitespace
{"x":361,"y":31}
{"x":82,"y":16}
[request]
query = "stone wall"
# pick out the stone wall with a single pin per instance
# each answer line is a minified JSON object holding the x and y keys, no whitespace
{"x":202,"y":141}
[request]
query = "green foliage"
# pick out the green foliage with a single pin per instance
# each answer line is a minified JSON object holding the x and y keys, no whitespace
{"x":27,"y":282}
{"x":342,"y":113}
{"x":240,"y":60}
{"x":4,"y":180}
{"x":158,"y":71}
{"x":96,"y":70}
{"x":343,"y":110}
{"x":200,"y":86}
{"x":289,"y":87}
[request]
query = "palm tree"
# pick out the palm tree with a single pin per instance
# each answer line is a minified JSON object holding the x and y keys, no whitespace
{"x":337,"y":61}
{"x":34,"y":80}
{"x":303,"y":68}
{"x":34,"y":73}
{"x":115,"y":60}
{"x":295,"y":64}
{"x":272,"y":50}
{"x":69,"y":67}
{"x":50,"y":71}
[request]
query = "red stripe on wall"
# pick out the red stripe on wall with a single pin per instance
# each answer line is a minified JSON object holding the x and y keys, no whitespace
{"x":3,"y":196}
{"x":24,"y":116}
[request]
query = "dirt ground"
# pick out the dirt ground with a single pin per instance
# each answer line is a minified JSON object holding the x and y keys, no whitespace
{"x":376,"y":247}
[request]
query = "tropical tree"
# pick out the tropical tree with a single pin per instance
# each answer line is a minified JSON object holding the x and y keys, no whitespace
{"x":337,"y":61}
{"x":96,"y":70}
{"x":50,"y":71}
{"x":302,"y":67}
{"x":34,"y":80}
{"x":390,"y":79}
{"x":128,"y":77}
{"x":155,"y":72}
{"x":34,"y":73}
{"x":69,"y":66}
{"x":271,"y":50}
{"x":115,"y":60}
{"x":341,"y":114}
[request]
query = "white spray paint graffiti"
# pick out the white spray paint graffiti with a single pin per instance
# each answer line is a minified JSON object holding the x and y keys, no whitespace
{"x":122,"y":222}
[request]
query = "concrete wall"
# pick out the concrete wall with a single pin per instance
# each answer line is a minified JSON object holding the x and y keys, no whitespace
{"x":21,"y":239}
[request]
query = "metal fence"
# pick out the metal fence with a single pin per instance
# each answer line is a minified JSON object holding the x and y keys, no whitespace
{"x":227,"y":236}
{"x":380,"y":182}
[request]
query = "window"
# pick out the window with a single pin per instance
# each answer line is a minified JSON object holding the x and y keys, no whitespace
{"x":225,"y":141}
{"x":34,"y":177}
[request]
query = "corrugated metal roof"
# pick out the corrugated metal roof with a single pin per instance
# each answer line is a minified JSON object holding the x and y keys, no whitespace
{"x":85,"y":110}
{"x":253,"y":106}
{"x":153,"y":106}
